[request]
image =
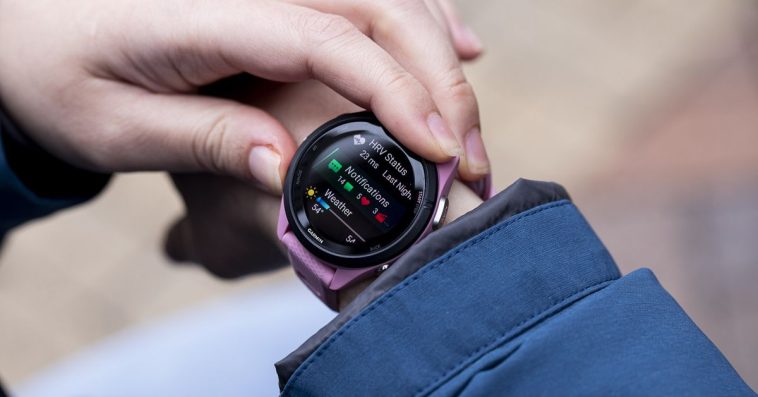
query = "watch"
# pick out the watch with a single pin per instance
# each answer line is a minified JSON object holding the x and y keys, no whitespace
{"x":355,"y":199}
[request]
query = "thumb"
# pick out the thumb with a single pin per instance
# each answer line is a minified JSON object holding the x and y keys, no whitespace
{"x":190,"y":133}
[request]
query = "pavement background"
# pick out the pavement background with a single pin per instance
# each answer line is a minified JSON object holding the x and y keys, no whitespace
{"x":647,"y":111}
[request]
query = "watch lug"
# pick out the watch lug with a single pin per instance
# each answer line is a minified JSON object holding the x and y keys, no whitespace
{"x":445,"y":175}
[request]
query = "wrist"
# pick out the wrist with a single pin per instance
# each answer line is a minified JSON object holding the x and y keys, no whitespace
{"x":462,"y":200}
{"x":334,"y":235}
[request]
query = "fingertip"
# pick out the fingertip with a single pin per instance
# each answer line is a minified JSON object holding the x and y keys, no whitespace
{"x":286,"y":149}
{"x":271,"y":148}
{"x":443,"y":135}
{"x":476,"y":154}
{"x":415,"y":132}
{"x":471,"y":39}
{"x":265,"y":165}
{"x":468,"y":45}
{"x":467,"y":54}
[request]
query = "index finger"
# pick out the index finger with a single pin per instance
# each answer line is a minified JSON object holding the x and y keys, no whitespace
{"x":409,"y":31}
{"x":285,"y":42}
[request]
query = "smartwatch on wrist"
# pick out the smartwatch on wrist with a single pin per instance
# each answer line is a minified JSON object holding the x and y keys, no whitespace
{"x":355,"y":199}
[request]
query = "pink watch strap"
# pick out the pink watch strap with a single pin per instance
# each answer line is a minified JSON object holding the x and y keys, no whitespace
{"x":312,"y":272}
{"x":324,"y":280}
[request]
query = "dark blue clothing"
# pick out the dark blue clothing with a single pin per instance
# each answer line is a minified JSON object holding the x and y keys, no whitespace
{"x":531,"y":306}
{"x":50,"y":184}
{"x":512,"y":299}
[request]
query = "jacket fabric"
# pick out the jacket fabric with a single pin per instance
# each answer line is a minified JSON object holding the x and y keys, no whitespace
{"x":517,"y":298}
{"x":34,"y":183}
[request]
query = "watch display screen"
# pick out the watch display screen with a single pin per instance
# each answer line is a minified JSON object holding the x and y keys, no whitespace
{"x":356,"y":191}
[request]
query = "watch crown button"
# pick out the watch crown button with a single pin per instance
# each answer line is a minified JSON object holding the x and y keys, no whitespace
{"x":440,"y":213}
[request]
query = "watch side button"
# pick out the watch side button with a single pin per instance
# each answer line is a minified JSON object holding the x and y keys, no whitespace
{"x":440,"y":213}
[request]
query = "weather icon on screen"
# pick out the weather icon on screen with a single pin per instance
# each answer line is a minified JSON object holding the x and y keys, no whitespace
{"x":311,"y":192}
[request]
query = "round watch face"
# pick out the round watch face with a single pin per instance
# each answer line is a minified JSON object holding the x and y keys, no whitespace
{"x":355,"y":196}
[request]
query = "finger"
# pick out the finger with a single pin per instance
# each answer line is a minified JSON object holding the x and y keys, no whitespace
{"x":407,"y":30}
{"x":285,"y":42}
{"x":467,"y":43}
{"x":147,"y":131}
{"x":177,"y":243}
{"x":221,"y":250}
{"x":230,"y":232}
{"x":438,"y":15}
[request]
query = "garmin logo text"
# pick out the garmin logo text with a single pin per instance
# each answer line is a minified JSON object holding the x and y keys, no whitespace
{"x":314,"y":235}
{"x":364,"y":183}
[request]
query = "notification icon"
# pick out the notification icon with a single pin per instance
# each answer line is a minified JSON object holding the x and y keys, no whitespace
{"x":380,"y":217}
{"x":335,"y":165}
{"x":365,"y":201}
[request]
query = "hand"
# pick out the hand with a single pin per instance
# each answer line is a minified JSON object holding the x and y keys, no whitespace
{"x":232,"y":232}
{"x":113,"y":86}
{"x":415,"y":33}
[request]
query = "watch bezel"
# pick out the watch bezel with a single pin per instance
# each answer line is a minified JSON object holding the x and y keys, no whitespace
{"x":382,"y":255}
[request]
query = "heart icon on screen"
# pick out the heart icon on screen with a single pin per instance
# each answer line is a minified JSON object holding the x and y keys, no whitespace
{"x":365,"y":201}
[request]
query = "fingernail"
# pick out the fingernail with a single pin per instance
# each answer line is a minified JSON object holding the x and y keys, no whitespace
{"x":444,"y":136}
{"x":476,"y":155}
{"x":471,"y":38}
{"x":264,"y":165}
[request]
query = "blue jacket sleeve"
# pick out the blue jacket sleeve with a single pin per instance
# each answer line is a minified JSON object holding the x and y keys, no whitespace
{"x":512,"y":303}
{"x":19,"y":202}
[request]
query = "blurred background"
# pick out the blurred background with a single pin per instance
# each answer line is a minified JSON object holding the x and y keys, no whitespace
{"x":647,"y":111}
